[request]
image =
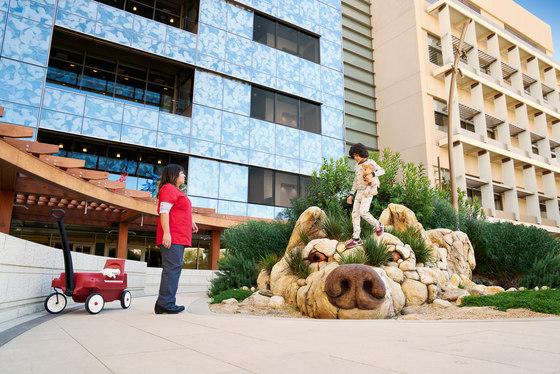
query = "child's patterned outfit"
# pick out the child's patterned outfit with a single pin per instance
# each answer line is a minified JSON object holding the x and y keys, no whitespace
{"x":364,"y":189}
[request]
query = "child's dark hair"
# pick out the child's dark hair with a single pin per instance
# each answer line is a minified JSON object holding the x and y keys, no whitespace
{"x":358,"y":149}
{"x":169,"y":174}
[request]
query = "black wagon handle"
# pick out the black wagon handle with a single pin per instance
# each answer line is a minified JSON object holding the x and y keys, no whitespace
{"x":58,"y":217}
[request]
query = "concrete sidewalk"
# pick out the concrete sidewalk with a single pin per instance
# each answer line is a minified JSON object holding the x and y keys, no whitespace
{"x":197,"y":341}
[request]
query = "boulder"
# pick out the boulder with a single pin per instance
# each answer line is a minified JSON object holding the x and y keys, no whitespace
{"x":491,"y":290}
{"x":411,"y":274}
{"x":454,"y":294}
{"x":309,"y":224}
{"x":460,"y":252}
{"x":263,"y":280}
{"x":416,"y":293}
{"x":442,"y":303}
{"x":394,"y":273}
{"x":277,"y":302}
{"x":399,"y":217}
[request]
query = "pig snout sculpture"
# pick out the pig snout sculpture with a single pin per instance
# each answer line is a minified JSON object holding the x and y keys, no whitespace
{"x":355,"y":286}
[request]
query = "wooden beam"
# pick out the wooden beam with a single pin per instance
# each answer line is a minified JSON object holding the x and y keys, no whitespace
{"x":15,"y":131}
{"x":63,"y":162}
{"x":88,"y":174}
{"x":33,"y":147}
{"x":122,"y":244}
{"x":214,"y":254}
{"x":129,"y":216}
{"x":8,"y":176}
{"x":1,"y":111}
{"x":113,"y":185}
{"x":7,"y":204}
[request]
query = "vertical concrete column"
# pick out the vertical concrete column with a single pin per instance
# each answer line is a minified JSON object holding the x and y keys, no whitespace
{"x":511,"y":203}
{"x":453,"y":106}
{"x":551,"y":81}
{"x":502,"y":130}
{"x":459,"y":163}
{"x":534,"y":72}
{"x":542,"y":128}
{"x":522,"y":119}
{"x":470,"y":37}
{"x":530,"y":180}
{"x":487,"y":190}
{"x":515,"y":62}
{"x":549,"y":186}
{"x":494,"y":51}
{"x":477,"y":98}
{"x":214,"y":254}
{"x":445,"y":32}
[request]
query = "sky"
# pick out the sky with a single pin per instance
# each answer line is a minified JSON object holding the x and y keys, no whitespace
{"x":549,"y":12}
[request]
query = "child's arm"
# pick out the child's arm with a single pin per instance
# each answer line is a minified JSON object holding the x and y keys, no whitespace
{"x":378,"y":169}
{"x":353,"y":189}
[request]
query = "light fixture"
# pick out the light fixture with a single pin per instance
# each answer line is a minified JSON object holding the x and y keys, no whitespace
{"x":72,"y":65}
{"x":159,"y":162}
{"x":61,"y":146}
{"x":171,"y":20}
{"x":84,"y":150}
{"x":118,"y":155}
{"x":95,"y":71}
{"x":134,"y":9}
{"x":165,"y":88}
{"x":125,"y":78}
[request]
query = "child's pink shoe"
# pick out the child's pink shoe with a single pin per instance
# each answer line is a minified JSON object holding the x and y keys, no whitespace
{"x":354,"y":243}
{"x":380,"y":229}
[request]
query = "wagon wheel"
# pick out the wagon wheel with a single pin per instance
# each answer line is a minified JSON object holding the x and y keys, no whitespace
{"x":126,"y":299}
{"x":95,"y":303}
{"x":55,"y":303}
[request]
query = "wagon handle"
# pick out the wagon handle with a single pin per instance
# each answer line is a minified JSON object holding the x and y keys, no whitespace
{"x":58,"y":217}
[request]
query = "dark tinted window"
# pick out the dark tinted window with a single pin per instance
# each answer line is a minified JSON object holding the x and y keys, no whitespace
{"x":268,"y":187}
{"x":264,"y":31}
{"x":261,"y":186}
{"x":262,"y":104}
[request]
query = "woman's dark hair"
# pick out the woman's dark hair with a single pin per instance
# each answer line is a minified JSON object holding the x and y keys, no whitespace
{"x":169,"y":174}
{"x":358,"y":149}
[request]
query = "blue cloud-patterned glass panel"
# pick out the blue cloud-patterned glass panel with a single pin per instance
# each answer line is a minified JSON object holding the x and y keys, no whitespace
{"x":237,"y":97}
{"x":310,"y":93}
{"x":234,"y":182}
{"x":237,"y":71}
{"x":332,"y":81}
{"x":204,"y":177}
{"x":138,"y":136}
{"x":264,"y":59}
{"x":180,"y":54}
{"x":279,"y":212}
{"x":288,"y":86}
{"x":209,"y":62}
{"x":287,"y":141}
{"x":232,"y":207}
{"x":60,"y":121}
{"x":236,"y":50}
{"x":152,"y":29}
{"x":212,"y":12}
{"x":310,"y":74}
{"x":265,"y":160}
{"x":173,"y":142}
{"x":201,"y":202}
{"x":115,"y":17}
{"x":336,"y":102}
{"x":311,"y":25}
{"x":139,"y":117}
{"x":26,"y":41}
{"x":330,"y":17}
{"x":332,"y":122}
{"x":287,"y":164}
{"x":331,"y":54}
{"x":211,"y":41}
{"x":84,"y":8}
{"x":260,"y":211}
{"x":113,"y":34}
{"x":206,"y":123}
{"x":332,"y":148}
{"x":101,"y":129}
{"x":289,"y":11}
{"x":310,"y":147}
{"x":180,"y":38}
{"x":19,"y":114}
{"x":288,"y":66}
{"x":104,"y":110}
{"x":33,"y":11}
{"x":174,"y":124}
{"x":263,"y":79}
{"x":64,"y":101}
{"x":309,"y":10}
{"x":4,"y":5}
{"x":147,"y":44}
{"x":204,"y":148}
{"x":266,"y":6}
{"x":74,"y":22}
{"x":307,"y":168}
{"x":239,"y":21}
{"x":334,"y":35}
{"x":3,"y":16}
{"x":235,"y":130}
{"x":234,"y":154}
{"x":262,"y":136}
{"x":208,"y":89}
{"x":333,"y":3}
{"x":20,"y":82}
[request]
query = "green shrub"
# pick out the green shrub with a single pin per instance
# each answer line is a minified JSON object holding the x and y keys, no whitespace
{"x":267,"y":262}
{"x":545,"y":301}
{"x":414,"y":238}
{"x":236,"y":271}
{"x":443,"y":215}
{"x":544,"y":272}
{"x":353,"y":257}
{"x":376,"y":251}
{"x":237,"y":294}
{"x":297,"y":264}
{"x":337,"y":226}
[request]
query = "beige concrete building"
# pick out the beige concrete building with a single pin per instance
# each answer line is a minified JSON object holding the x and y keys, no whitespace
{"x":505,"y":108}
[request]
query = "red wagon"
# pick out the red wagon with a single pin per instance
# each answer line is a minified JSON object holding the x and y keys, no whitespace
{"x":92,"y":288}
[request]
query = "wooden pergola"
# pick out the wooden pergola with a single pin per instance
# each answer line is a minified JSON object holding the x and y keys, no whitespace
{"x":33,"y":181}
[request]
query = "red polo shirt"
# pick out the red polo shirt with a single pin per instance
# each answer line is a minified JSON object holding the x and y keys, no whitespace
{"x":180,"y":216}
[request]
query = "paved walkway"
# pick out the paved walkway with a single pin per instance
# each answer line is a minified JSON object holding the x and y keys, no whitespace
{"x":197,"y":341}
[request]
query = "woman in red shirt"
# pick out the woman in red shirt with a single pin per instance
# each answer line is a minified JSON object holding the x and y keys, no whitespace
{"x":174,"y":233}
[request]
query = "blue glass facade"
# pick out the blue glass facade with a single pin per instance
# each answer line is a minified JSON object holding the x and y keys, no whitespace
{"x":221,"y":138}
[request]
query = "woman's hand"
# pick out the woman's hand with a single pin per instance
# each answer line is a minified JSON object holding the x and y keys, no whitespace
{"x":194,"y":227}
{"x":349,"y":200}
{"x":166,"y":240}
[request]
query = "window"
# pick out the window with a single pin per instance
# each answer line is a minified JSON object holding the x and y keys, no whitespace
{"x":491,"y":134}
{"x":275,"y":188}
{"x":535,"y":148}
{"x":285,"y":110}
{"x":86,"y":65}
{"x":285,"y":38}
{"x":440,"y":115}
{"x":467,"y":125}
{"x":498,"y":198}
{"x":542,"y":208}
{"x":434,"y":50}
{"x":474,"y":194}
{"x":182,"y":14}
